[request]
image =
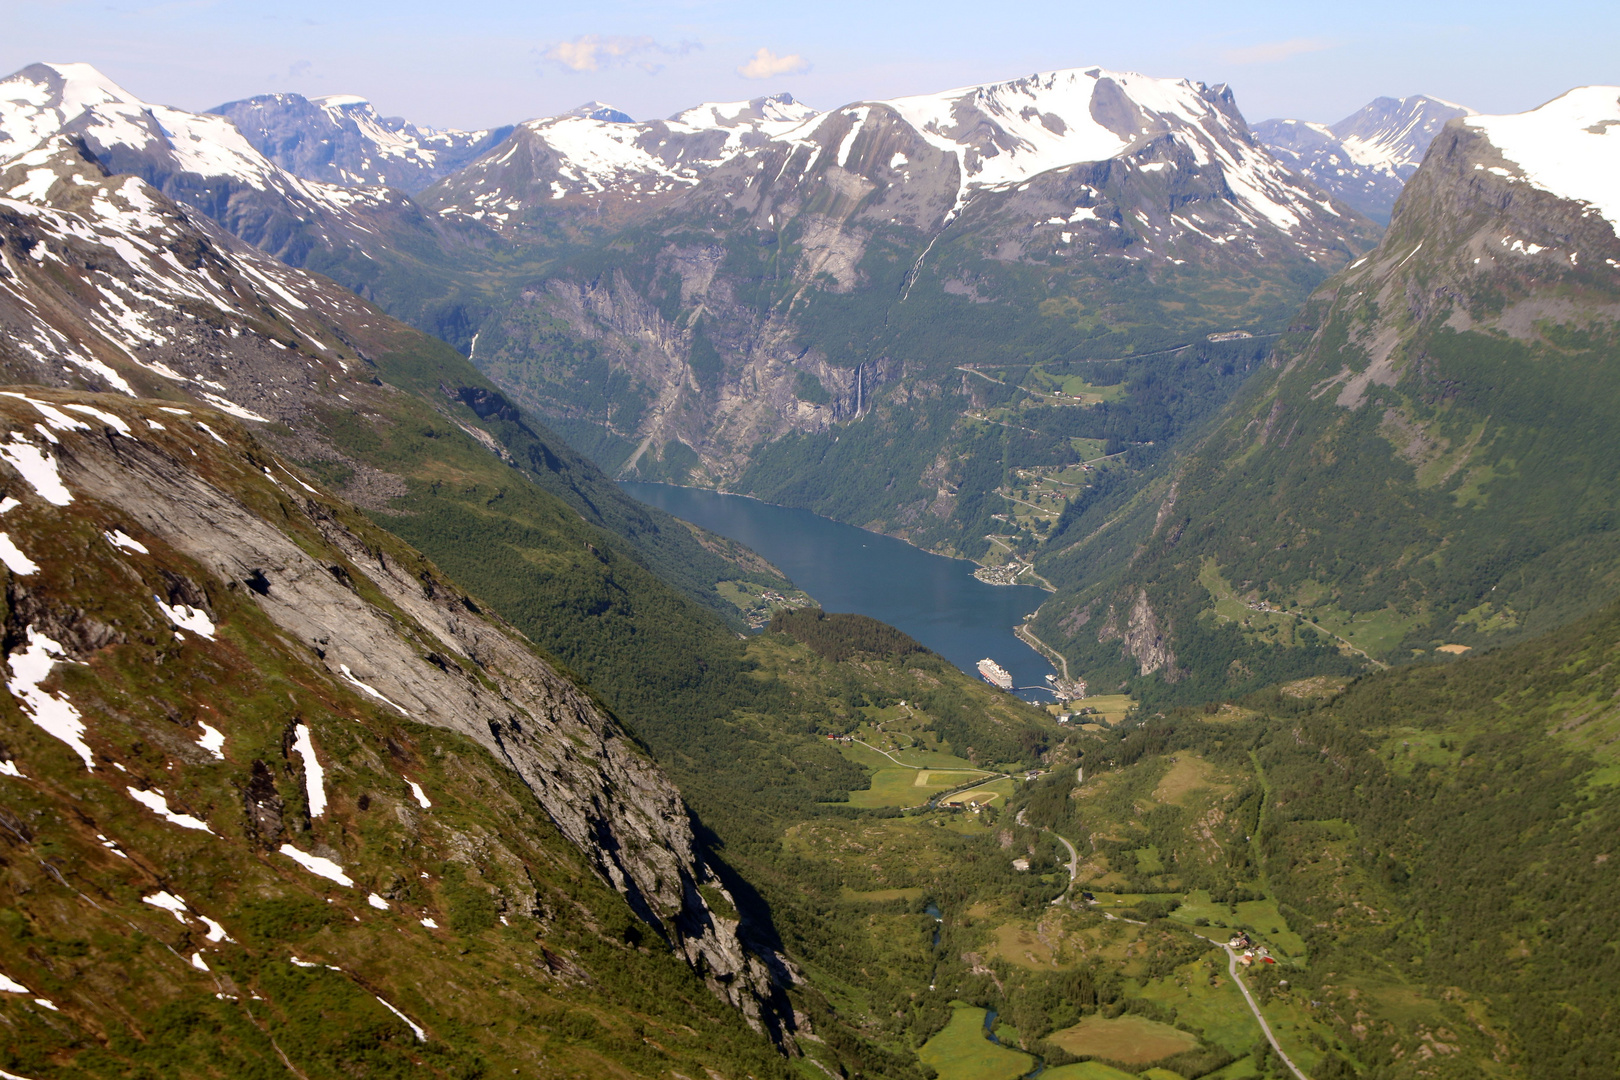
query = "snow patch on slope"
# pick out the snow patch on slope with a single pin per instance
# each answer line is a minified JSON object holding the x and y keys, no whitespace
{"x":158,"y":803}
{"x":1569,"y":146}
{"x":314,"y":775}
{"x":315,"y":864}
{"x":55,"y":714}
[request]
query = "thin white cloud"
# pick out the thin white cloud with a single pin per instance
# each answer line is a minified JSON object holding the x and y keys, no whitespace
{"x":1269,"y":52}
{"x":593,"y":52}
{"x":767,"y":65}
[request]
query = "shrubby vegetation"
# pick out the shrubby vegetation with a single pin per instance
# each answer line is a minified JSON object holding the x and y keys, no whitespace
{"x":839,"y":637}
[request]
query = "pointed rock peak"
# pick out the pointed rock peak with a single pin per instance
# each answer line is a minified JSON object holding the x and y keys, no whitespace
{"x":783,"y":106}
{"x":596,"y":110}
{"x":1387,"y":115}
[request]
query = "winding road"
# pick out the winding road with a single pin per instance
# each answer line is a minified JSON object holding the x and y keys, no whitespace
{"x":896,"y":760}
{"x":1232,"y":969}
{"x":1074,"y":866}
{"x":1254,"y":1006}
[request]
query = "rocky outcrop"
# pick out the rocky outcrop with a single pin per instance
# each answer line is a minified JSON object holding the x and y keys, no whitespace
{"x":1142,"y":639}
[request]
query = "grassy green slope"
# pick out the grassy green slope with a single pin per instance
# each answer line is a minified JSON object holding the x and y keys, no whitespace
{"x":488,"y":930}
{"x":1481,"y":807}
{"x":1440,"y":838}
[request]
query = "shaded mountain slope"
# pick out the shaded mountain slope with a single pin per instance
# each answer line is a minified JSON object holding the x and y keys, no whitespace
{"x":110,"y":285}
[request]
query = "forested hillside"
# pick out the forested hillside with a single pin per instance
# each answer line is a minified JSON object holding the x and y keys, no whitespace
{"x":1427,"y":850}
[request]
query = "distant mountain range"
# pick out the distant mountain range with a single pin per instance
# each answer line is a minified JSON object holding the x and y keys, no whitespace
{"x":710,"y":284}
{"x":340,"y":139}
{"x":1367,"y":157}
{"x":597,"y":160}
{"x":727,"y":323}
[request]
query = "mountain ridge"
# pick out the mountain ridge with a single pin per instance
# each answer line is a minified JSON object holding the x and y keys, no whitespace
{"x":341,"y":139}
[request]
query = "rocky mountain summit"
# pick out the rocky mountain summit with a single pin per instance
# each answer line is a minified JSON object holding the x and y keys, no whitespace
{"x":364,"y":236}
{"x":1367,"y":157}
{"x":596,"y":161}
{"x":341,"y":139}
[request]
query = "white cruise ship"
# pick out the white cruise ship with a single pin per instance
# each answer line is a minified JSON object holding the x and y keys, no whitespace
{"x":994,"y":674}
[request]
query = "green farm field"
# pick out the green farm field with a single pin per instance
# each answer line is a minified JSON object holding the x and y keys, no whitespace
{"x":1133,"y":1040}
{"x":1086,"y":1070}
{"x":961,"y":1051}
{"x":908,"y":787}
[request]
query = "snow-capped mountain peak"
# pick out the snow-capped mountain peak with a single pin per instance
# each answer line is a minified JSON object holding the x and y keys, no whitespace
{"x":1393,"y":133}
{"x":597,"y":110}
{"x":1570,"y":146}
{"x":340,"y":102}
{"x":1366,"y":158}
{"x":596,"y":152}
{"x":764,"y":111}
{"x":1003,"y":135}
{"x":199,"y":159}
{"x":43,"y":100}
{"x":1007,"y":132}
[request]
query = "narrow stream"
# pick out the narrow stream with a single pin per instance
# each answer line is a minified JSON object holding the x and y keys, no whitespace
{"x":990,"y":1033}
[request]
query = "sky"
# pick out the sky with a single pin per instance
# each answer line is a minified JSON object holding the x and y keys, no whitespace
{"x":498,"y":61}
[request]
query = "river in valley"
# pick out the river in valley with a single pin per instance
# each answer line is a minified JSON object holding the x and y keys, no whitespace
{"x":936,"y":600}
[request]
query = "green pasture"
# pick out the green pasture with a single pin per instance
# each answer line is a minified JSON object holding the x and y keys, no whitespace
{"x":1086,"y":1070}
{"x":961,"y":1051}
{"x":1134,"y":1040}
{"x":881,"y":896}
{"x":908,"y":787}
{"x":1218,"y":1012}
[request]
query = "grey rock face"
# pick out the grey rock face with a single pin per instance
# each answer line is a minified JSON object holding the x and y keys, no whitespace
{"x":1366,"y":158}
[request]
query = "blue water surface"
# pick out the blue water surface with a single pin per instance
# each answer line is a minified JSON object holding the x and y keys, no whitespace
{"x":936,"y":600}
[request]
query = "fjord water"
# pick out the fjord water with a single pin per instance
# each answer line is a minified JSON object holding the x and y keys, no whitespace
{"x":936,"y":600}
